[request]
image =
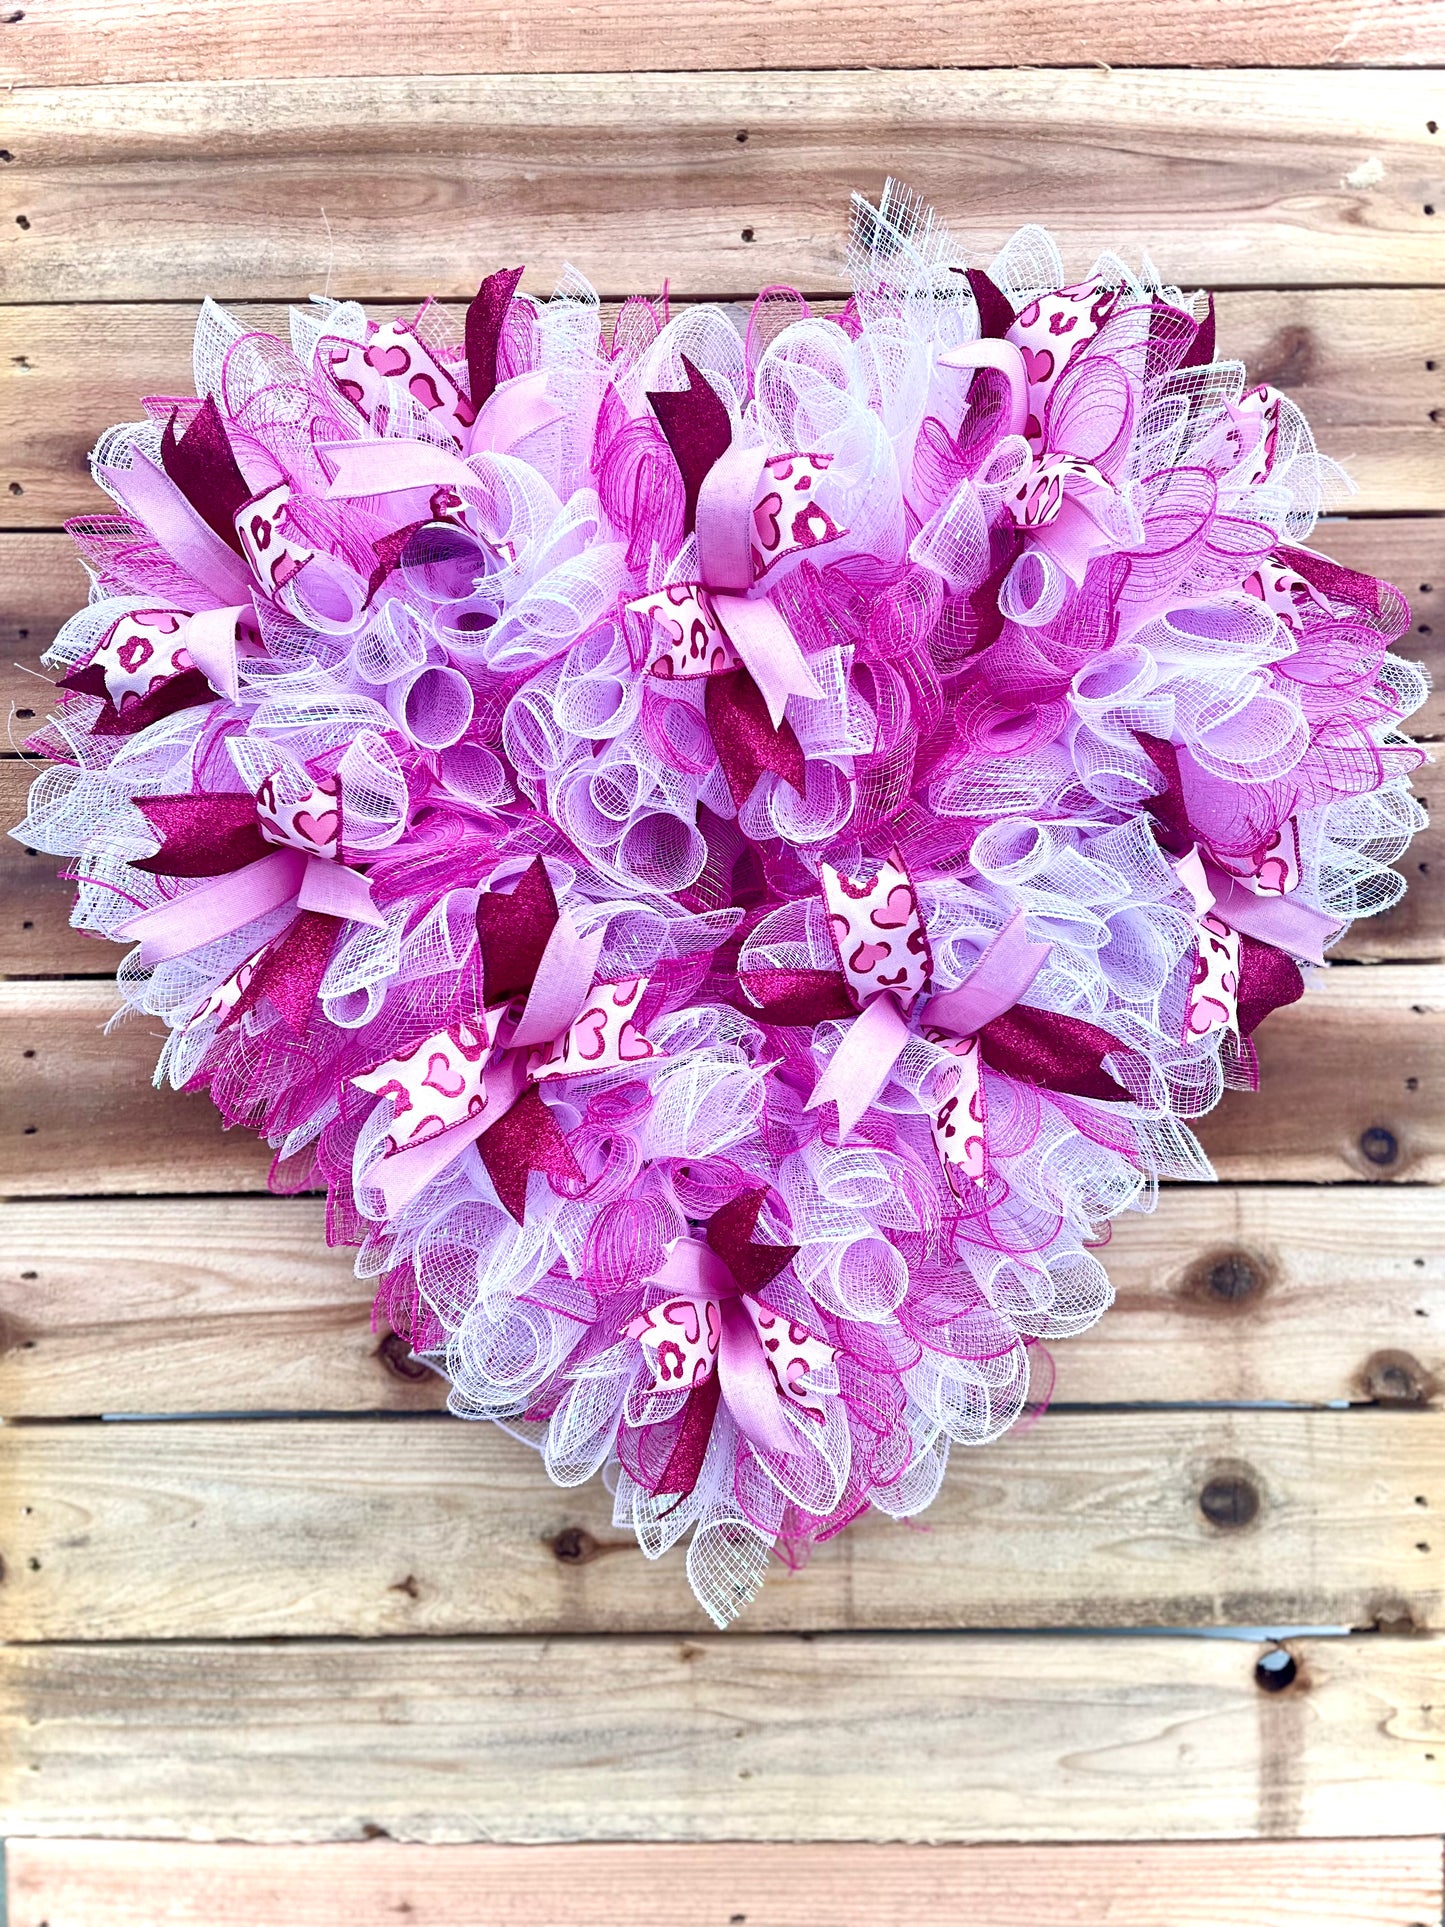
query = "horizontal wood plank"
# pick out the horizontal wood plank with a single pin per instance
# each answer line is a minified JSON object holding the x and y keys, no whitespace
{"x":82,"y":42}
{"x":400,"y":187}
{"x":79,"y":1114}
{"x":366,"y":1528}
{"x":235,"y":1305}
{"x":1363,"y":365}
{"x":1351,"y":1087}
{"x":1262,"y":1883}
{"x":885,"y":1737}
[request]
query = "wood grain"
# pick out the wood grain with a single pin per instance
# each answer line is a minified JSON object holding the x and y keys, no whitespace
{"x":1265,"y":1883}
{"x":366,"y":1528}
{"x":236,"y":1305}
{"x":400,"y":187}
{"x":1350,"y":1081}
{"x":1351,"y":1087}
{"x":85,"y":41}
{"x":1358,"y":363}
{"x":949,"y":1737}
{"x":78,"y":1112}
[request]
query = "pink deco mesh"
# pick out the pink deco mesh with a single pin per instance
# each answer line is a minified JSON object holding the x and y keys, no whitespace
{"x":421,"y":676}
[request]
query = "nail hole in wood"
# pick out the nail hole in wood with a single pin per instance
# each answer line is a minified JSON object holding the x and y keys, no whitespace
{"x":23,"y":221}
{"x":1275,"y":1670}
{"x":747,"y":234}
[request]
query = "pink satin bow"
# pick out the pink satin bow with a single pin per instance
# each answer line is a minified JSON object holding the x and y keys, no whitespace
{"x":749,"y":512}
{"x":479,"y":1084}
{"x":712,"y":1336}
{"x":259,"y":853}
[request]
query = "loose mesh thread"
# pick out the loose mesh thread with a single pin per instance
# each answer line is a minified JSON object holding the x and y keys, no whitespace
{"x":979,"y":721}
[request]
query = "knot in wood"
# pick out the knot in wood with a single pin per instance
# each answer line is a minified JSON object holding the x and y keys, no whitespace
{"x":1395,"y":1378}
{"x":1379,"y":1146}
{"x":395,"y":1354}
{"x":574,"y":1547}
{"x":1229,"y":1500}
{"x":1275,"y":1670}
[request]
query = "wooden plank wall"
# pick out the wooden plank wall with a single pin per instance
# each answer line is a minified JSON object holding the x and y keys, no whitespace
{"x":288,"y":1601}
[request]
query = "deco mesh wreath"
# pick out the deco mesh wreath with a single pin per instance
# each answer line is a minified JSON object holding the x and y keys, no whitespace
{"x":731,"y":852}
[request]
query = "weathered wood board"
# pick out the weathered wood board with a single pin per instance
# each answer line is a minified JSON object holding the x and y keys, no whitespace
{"x":950,"y":1737}
{"x":1277,"y":1883}
{"x":84,"y":41}
{"x":235,"y":1305}
{"x":375,"y":1527}
{"x":400,"y":186}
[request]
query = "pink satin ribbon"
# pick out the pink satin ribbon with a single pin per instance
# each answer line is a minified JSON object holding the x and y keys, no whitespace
{"x":767,"y":646}
{"x":211,"y":646}
{"x":516,"y":409}
{"x":692,"y":1271}
{"x":229,"y":902}
{"x":154,"y":500}
{"x":863,"y":1062}
{"x":560,"y":989}
{"x":1296,"y":928}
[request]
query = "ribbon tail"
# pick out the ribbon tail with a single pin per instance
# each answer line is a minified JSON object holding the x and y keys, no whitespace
{"x":559,"y":990}
{"x":685,"y":1461}
{"x":391,"y":467}
{"x":769,"y":651}
{"x":862,"y":1063}
{"x":216,"y":909}
{"x":527,"y":1138}
{"x":748,"y":1387}
{"x":1051,"y":1048}
{"x":514,"y":410}
{"x":748,"y":744}
{"x":1281,"y":922}
{"x":335,"y":890}
{"x":403,"y":1175}
{"x":1001,"y":976}
{"x":150,"y":495}
{"x":211,"y":646}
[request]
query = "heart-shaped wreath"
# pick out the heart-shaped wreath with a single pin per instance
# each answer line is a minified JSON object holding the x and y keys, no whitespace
{"x":730,"y":851}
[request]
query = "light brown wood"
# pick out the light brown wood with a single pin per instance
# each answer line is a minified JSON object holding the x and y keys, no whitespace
{"x":236,"y":1305}
{"x":1356,"y":363}
{"x":36,"y":939}
{"x":1351,"y":1087}
{"x":41,"y":583}
{"x":952,"y":1737}
{"x":86,"y":41}
{"x":1262,"y":1883}
{"x":1350,"y":1081}
{"x":78,"y":1113}
{"x":405,"y":186}
{"x":371,"y":1527}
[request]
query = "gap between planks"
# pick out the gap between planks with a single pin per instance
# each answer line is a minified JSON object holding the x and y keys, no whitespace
{"x":1363,"y":365}
{"x":236,"y":1305}
{"x":1225,"y":178}
{"x":1317,"y":1883}
{"x":942,"y":1737}
{"x":86,"y":42}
